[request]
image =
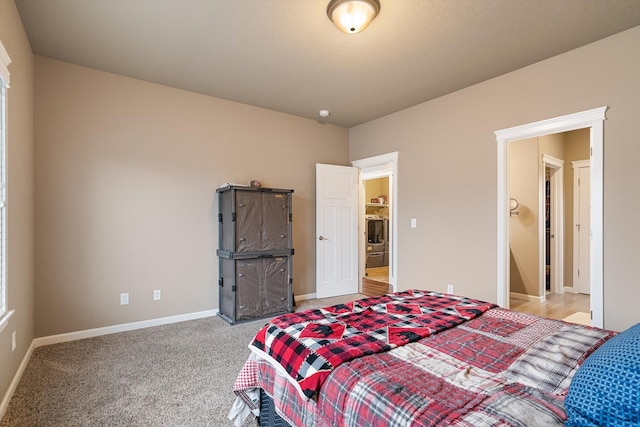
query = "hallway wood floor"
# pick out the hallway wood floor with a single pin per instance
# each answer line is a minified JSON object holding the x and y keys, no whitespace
{"x":379,"y":274}
{"x":376,"y":282}
{"x":556,"y":306}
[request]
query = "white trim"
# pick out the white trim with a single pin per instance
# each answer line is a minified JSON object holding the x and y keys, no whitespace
{"x":541,"y":231}
{"x":569,"y":122}
{"x":503,"y":228}
{"x":90,"y":333}
{"x":305,"y":297}
{"x":4,"y":85}
{"x":376,"y":167}
{"x":16,"y":380}
{"x":587,"y":119}
{"x":371,"y":162}
{"x":5,"y":60}
{"x":557,"y":163}
{"x":597,"y":222}
{"x":580,"y":163}
{"x":570,"y":290}
{"x":525,"y":297}
{"x":4,"y":320}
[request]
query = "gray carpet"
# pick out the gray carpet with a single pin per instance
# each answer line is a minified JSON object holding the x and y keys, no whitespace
{"x":174,"y":375}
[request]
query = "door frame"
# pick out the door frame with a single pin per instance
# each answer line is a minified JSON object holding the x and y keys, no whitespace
{"x":557,"y":225}
{"x":593,"y":119}
{"x":378,"y":167}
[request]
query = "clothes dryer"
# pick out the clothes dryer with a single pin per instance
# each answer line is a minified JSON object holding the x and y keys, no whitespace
{"x":375,"y":246}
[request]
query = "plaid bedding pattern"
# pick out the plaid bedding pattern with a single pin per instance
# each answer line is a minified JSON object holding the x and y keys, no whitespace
{"x":499,"y":369}
{"x":307,"y":346}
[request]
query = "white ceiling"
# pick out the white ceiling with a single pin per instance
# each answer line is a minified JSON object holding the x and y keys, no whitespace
{"x":285,"y":55}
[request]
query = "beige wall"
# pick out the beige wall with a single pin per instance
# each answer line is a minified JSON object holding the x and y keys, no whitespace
{"x":376,"y":187}
{"x":447,"y":169}
{"x":20,"y":232}
{"x":524,"y":227}
{"x":553,"y":145}
{"x":126,"y":173}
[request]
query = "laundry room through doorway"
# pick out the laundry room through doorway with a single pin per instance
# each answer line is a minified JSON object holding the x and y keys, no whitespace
{"x":377,"y":245}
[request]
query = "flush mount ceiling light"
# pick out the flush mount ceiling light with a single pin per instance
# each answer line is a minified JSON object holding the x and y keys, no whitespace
{"x":352,"y":16}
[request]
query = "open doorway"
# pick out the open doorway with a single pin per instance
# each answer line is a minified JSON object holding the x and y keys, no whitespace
{"x":378,"y":223}
{"x":540,"y":222}
{"x":593,"y":121}
{"x":378,"y":250}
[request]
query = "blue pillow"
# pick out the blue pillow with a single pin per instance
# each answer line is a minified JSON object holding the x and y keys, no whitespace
{"x":605,"y":391}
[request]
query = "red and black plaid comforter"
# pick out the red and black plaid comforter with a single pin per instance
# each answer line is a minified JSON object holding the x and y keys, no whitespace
{"x":307,"y":346}
{"x":500,"y":369}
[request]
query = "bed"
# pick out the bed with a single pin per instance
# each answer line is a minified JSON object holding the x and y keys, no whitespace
{"x":421,"y":358}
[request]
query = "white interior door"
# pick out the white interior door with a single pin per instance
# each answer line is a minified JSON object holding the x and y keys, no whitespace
{"x":336,"y":230}
{"x":582,"y":229}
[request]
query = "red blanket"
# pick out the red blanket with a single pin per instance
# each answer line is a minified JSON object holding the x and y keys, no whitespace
{"x":307,"y":346}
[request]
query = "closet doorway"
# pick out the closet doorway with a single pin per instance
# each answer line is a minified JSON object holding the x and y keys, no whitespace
{"x":377,"y":236}
{"x":378,"y":223}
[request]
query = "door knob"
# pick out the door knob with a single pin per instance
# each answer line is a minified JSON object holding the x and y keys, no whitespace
{"x":322,"y":238}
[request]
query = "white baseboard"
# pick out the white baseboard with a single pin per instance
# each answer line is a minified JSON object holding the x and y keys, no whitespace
{"x":305,"y":297}
{"x":16,"y":379}
{"x":570,"y":290}
{"x":525,"y":297}
{"x":89,"y":333}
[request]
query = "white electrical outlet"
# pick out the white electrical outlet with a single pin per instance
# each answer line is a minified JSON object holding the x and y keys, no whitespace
{"x":124,"y":298}
{"x":414,"y":223}
{"x":449,"y":288}
{"x":13,"y":341}
{"x":157,"y":295}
